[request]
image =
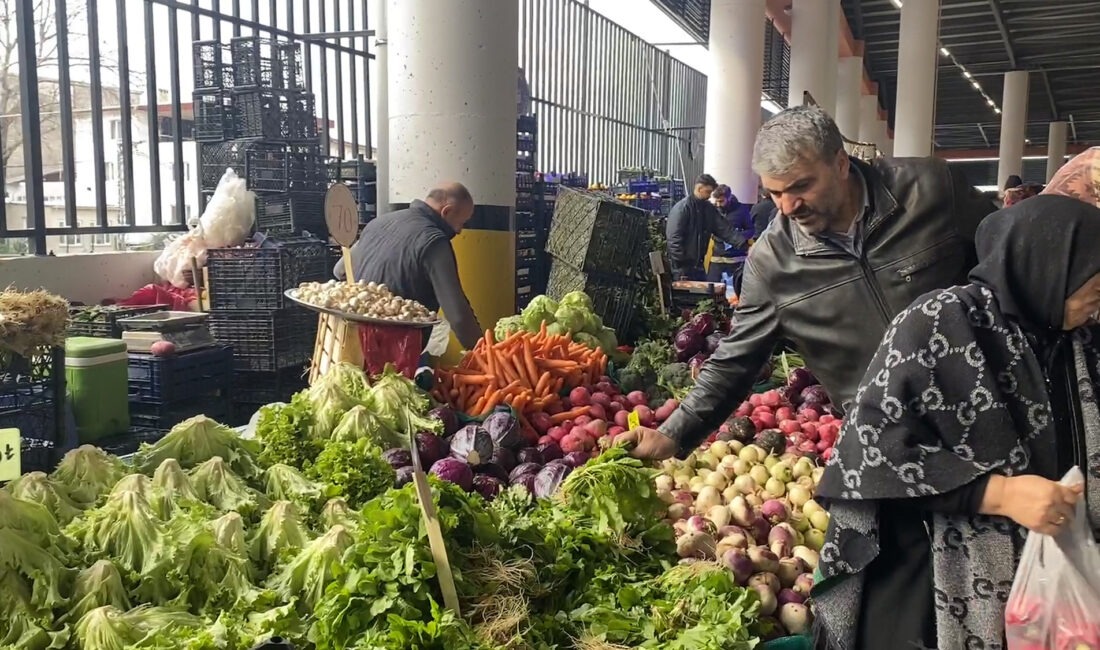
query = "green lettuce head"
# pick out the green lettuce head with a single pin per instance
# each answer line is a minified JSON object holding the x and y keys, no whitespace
{"x":540,"y":309}
{"x":608,"y":341}
{"x":507,"y":326}
{"x":47,"y":492}
{"x":578,"y":299}
{"x":587,"y":340}
{"x":573,"y":319}
{"x":88,"y":472}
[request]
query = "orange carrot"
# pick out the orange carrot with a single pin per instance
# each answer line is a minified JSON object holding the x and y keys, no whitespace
{"x":532,"y":370}
{"x":569,"y":415}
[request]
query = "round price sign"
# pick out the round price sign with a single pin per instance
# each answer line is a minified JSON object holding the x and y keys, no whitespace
{"x":341,"y":214}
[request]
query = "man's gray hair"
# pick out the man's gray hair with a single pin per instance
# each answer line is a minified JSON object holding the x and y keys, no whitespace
{"x":798,"y":134}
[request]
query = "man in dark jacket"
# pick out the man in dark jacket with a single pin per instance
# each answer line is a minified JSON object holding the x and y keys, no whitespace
{"x":410,"y":252}
{"x":691,"y":224}
{"x":762,"y":214}
{"x":727,"y":260}
{"x":853,"y":245}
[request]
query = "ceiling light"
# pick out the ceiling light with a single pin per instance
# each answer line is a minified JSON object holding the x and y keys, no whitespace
{"x":989,"y":101}
{"x":943,"y":51}
{"x":967,"y":74}
{"x":897,"y":3}
{"x":996,"y":110}
{"x":1026,"y":141}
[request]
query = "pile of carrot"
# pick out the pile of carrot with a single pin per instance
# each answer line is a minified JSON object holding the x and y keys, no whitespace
{"x":528,"y":371}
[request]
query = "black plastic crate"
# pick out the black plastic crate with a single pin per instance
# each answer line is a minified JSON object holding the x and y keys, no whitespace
{"x":291,"y":168}
{"x":167,"y":380}
{"x":266,"y":341}
{"x":593,"y":232}
{"x":255,"y":277}
{"x":275,"y":114}
{"x":362,"y":171}
{"x":261,"y":62}
{"x":162,"y":417}
{"x":268,"y":387}
{"x":214,"y":116}
{"x":29,"y":402}
{"x":128,"y":443}
{"x":216,"y":157}
{"x":613,"y":297}
{"x":212,"y":64}
{"x":102,"y":321}
{"x":289,"y":213}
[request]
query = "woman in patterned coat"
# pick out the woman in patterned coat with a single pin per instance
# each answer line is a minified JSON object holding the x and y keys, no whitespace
{"x":979,"y":399}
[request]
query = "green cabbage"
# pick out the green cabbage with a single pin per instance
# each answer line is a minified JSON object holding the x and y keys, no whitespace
{"x":593,"y":323}
{"x":283,"y":482}
{"x":305,"y":578}
{"x":556,"y":329}
{"x":215,"y":483}
{"x":280,"y":535}
{"x":587,"y":339}
{"x":507,"y":326}
{"x":609,"y":342}
{"x":197,"y":440}
{"x":573,"y":319}
{"x":88,"y":472}
{"x":577,"y":299}
{"x":541,"y":308}
{"x":97,"y":586}
{"x":47,"y":492}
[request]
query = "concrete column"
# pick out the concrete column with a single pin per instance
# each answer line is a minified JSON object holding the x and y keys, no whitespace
{"x":849,"y":88}
{"x":917,"y":61}
{"x":1056,"y":148}
{"x":868,"y":119}
{"x":452,"y":117}
{"x":810,"y":53}
{"x":382,"y":106}
{"x":736,"y":72}
{"x":1013,"y":125}
{"x":832,"y":55}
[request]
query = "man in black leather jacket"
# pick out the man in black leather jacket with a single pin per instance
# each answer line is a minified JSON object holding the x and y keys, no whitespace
{"x":691,"y":224}
{"x":853,"y":245}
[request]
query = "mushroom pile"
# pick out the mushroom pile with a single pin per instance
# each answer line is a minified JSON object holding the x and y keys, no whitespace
{"x":362,"y":298}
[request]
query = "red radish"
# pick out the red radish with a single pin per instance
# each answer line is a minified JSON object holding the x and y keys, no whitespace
{"x":755,"y":399}
{"x":796,"y":438}
{"x":673,"y":402}
{"x":606,"y":387}
{"x":771,"y":398}
{"x":637,"y":398}
{"x":645,"y":415}
{"x":664,"y":412}
{"x":547,"y":438}
{"x":767,"y":419}
{"x":829,"y":432}
{"x":582,"y":420}
{"x":622,"y":419}
{"x":614,"y":407}
{"x":743,"y":411}
{"x":790,"y":426}
{"x":558,"y":433}
{"x":541,"y":421}
{"x":826,"y":419}
{"x":784,"y":413}
{"x":827,"y":454}
{"x":578,"y":430}
{"x":809,"y":429}
{"x":712,"y":437}
{"x":605,"y":379}
{"x":615,"y":430}
{"x":567,"y":425}
{"x":596,"y":428}
{"x":758,"y":424}
{"x":809,"y":415}
{"x":822,"y":445}
{"x":763,"y":409}
{"x":573,"y":442}
{"x":597,"y":412}
{"x":601,"y":398}
{"x":580,"y":396}
{"x":807,"y":447}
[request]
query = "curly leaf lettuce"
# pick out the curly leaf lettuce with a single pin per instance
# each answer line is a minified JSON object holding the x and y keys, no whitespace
{"x":284,"y":430}
{"x":97,"y":586}
{"x":47,"y":492}
{"x":353,"y":470}
{"x":216,"y":483}
{"x":305,"y":578}
{"x":197,"y":440}
{"x":125,"y":529}
{"x":279,"y":536}
{"x":284,"y":483}
{"x":89,"y":473}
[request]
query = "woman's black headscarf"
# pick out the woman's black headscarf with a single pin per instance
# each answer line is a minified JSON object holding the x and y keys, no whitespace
{"x":1036,"y":254}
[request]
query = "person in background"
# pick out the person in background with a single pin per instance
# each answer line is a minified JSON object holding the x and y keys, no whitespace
{"x":727,"y":260}
{"x":1079,"y":178}
{"x":410,"y":252}
{"x":1017,"y":190}
{"x":853,"y":245}
{"x":762,"y":213}
{"x":979,"y":399}
{"x":691,"y":223}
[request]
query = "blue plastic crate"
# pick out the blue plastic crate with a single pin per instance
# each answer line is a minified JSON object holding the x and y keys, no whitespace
{"x":168,"y":380}
{"x":161,"y":417}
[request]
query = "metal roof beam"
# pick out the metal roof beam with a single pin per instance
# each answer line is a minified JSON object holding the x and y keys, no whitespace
{"x":999,"y":20}
{"x":1050,"y":96}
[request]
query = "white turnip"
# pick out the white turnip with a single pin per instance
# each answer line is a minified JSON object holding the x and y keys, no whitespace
{"x":804,"y":584}
{"x":717,"y":480}
{"x":764,"y":560}
{"x":795,"y":618}
{"x":789,"y":596}
{"x":775,"y":487}
{"x":708,"y":498}
{"x":764,"y":579}
{"x":745,"y":484}
{"x":719,"y":515}
{"x":807,"y":555}
{"x":819,"y":520}
{"x":719,"y":448}
{"x":696,"y":544}
{"x":774,"y":510}
{"x":678,"y":511}
{"x":815,"y":539}
{"x":798,"y":495}
{"x":738,"y":563}
{"x":782,"y":471}
{"x":759,"y":473}
{"x":768,"y":603}
{"x":789,"y":570}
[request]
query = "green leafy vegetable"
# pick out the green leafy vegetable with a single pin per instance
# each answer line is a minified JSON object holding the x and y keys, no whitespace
{"x":216,"y":484}
{"x":353,"y":470}
{"x":284,"y":432}
{"x":305,"y":578}
{"x":360,"y":423}
{"x":279,"y":536}
{"x":47,"y":492}
{"x":88,"y":472}
{"x":229,"y":532}
{"x":172,"y":490}
{"x":337,"y":512}
{"x":125,"y":529}
{"x":283,"y":482}
{"x":196,"y":441}
{"x":401,"y":405}
{"x":97,"y":586}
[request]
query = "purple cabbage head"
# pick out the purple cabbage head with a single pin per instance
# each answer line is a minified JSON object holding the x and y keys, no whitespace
{"x":549,"y":479}
{"x":711,"y":343}
{"x":687,"y":343}
{"x":703,"y":324}
{"x":448,"y":417}
{"x":550,"y":451}
{"x":455,"y":471}
{"x":431,"y":447}
{"x":520,"y":470}
{"x":472,"y":444}
{"x":491,"y":469}
{"x":404,"y":476}
{"x":816,"y":395}
{"x":397,"y":457}
{"x":487,"y":486}
{"x":529,"y":455}
{"x":527,"y":481}
{"x":800,"y":379}
{"x":503,"y":428}
{"x":505,"y":458}
{"x":577,"y":458}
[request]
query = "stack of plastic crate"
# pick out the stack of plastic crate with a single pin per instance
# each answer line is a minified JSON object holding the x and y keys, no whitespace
{"x":597,"y":244}
{"x":167,"y":390}
{"x":32,"y":400}
{"x":530,"y":241}
{"x":545,"y":192}
{"x":361,"y":177}
{"x":253,"y":115}
{"x":272,"y":337}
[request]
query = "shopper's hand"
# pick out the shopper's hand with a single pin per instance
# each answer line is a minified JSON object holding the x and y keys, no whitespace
{"x":648,"y":444}
{"x":1038,"y":504}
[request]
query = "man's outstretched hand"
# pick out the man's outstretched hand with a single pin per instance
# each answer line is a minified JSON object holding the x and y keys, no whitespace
{"x":648,"y":444}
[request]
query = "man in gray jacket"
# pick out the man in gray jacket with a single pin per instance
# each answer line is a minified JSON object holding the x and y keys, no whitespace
{"x":852,"y":245}
{"x":691,"y":224}
{"x":410,"y":252}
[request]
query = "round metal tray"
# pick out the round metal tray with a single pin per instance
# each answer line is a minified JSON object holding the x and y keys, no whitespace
{"x":289,"y":293}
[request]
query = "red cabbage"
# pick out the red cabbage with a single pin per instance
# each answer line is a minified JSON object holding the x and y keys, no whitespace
{"x":688,"y":343}
{"x":711,"y":343}
{"x":800,"y":379}
{"x":703,"y":324}
{"x":529,"y":455}
{"x":549,"y":479}
{"x":790,"y":395}
{"x":397,"y":457}
{"x":520,"y":470}
{"x":431,"y":448}
{"x":505,"y":458}
{"x":503,"y":428}
{"x":577,"y":458}
{"x":447,"y":416}
{"x":550,"y":451}
{"x":472,"y":444}
{"x":527,"y":481}
{"x":815,"y":395}
{"x":455,"y":471}
{"x":487,"y":486}
{"x":404,"y":476}
{"x":491,"y":469}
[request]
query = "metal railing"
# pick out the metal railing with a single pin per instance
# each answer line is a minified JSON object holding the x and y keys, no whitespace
{"x":100,"y":140}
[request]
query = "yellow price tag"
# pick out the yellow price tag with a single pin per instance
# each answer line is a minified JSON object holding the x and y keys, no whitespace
{"x":632,"y":420}
{"x":11,"y":465}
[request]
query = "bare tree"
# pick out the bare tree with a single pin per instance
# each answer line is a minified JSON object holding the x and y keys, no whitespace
{"x":47,"y":63}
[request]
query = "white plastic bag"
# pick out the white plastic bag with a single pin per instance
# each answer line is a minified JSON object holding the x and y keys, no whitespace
{"x":441,"y":336}
{"x":228,"y":217}
{"x":174,"y":262}
{"x":1055,"y":597}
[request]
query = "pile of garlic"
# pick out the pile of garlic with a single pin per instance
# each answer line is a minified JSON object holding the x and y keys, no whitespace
{"x":368,"y":299}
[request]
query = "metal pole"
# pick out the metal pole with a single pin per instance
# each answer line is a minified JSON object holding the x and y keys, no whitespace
{"x":382,"y":110}
{"x":26,"y":28}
